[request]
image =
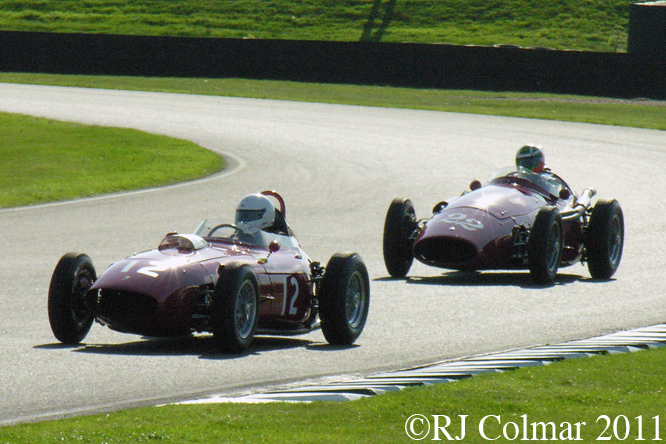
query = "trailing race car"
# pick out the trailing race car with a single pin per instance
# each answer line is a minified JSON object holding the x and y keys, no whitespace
{"x":518,"y":220}
{"x":232,"y":280}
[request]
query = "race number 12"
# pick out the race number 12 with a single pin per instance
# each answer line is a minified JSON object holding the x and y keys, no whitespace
{"x":289,"y":304}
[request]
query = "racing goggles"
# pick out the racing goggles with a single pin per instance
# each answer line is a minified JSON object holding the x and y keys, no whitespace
{"x":529,"y":163}
{"x":249,"y":215}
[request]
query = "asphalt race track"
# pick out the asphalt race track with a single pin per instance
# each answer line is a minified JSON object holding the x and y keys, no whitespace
{"x":338,"y":168}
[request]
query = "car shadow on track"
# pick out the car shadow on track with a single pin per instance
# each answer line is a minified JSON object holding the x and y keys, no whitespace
{"x":325,"y":347}
{"x":202,"y":346}
{"x":487,"y":279}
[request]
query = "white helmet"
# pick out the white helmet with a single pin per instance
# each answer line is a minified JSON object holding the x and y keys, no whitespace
{"x":255,"y":212}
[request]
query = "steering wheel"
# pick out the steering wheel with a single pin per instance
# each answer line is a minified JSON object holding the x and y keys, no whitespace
{"x":517,"y":178}
{"x":219,"y":227}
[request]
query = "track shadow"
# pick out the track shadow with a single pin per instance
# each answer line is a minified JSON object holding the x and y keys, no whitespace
{"x":486,"y":279}
{"x":590,"y":280}
{"x":202,"y":346}
{"x":325,"y":347}
{"x":260,"y":345}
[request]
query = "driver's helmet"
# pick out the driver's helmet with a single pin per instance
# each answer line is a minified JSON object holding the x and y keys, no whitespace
{"x":531,"y":158}
{"x":255,"y":212}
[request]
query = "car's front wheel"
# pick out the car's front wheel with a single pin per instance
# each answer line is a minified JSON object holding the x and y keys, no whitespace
{"x":605,"y":239}
{"x":235,"y":308}
{"x":344,"y":299}
{"x":69,"y":316}
{"x":544,"y":246}
{"x":399,"y":225}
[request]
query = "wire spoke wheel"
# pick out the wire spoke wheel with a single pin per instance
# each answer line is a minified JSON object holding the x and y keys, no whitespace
{"x":235,"y":308}
{"x":344,"y":299}
{"x":604,"y":239}
{"x":553,"y":247}
{"x":616,"y":241}
{"x":544,"y":246}
{"x":246,"y":310}
{"x":354,"y":304}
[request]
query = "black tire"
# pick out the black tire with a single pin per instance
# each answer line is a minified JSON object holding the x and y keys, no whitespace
{"x":69,"y":316}
{"x":344,"y":299}
{"x":544,"y":246}
{"x":604,"y":239}
{"x":235,"y":308}
{"x":399,"y":225}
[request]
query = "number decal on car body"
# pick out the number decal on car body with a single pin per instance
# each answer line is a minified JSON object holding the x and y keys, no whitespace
{"x":463,"y":221}
{"x":153,"y":270}
{"x":291,"y":306}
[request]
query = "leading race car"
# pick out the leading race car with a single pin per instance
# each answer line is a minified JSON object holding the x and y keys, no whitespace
{"x":518,"y":220}
{"x":232,"y":280}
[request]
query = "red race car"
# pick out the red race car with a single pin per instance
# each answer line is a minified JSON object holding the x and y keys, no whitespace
{"x":518,"y":220}
{"x":234,"y":280}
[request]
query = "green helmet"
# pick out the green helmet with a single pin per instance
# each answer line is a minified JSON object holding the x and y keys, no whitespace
{"x":531,"y":158}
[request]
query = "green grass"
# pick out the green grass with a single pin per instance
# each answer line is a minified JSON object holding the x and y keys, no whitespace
{"x":46,"y":160}
{"x":598,"y":25}
{"x":574,"y":391}
{"x":540,"y":106}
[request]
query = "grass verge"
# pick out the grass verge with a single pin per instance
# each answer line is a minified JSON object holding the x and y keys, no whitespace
{"x":617,"y":397}
{"x":46,"y":160}
{"x":636,"y":113}
{"x":598,"y":25}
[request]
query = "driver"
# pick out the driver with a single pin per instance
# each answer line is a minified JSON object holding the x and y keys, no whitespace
{"x":531,"y":158}
{"x":255,"y":212}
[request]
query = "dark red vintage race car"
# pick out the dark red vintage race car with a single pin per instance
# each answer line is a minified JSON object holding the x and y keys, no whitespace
{"x":518,"y":220}
{"x":218,"y":280}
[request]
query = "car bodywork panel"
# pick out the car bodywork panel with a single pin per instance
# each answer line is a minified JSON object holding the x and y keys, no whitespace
{"x":167,"y":291}
{"x":483,"y":229}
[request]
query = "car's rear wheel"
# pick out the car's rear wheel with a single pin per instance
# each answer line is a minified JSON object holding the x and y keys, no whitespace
{"x":544,"y":246}
{"x":235,"y":308}
{"x":605,"y":239}
{"x":69,"y":316}
{"x":344,"y":298}
{"x":399,"y":225}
